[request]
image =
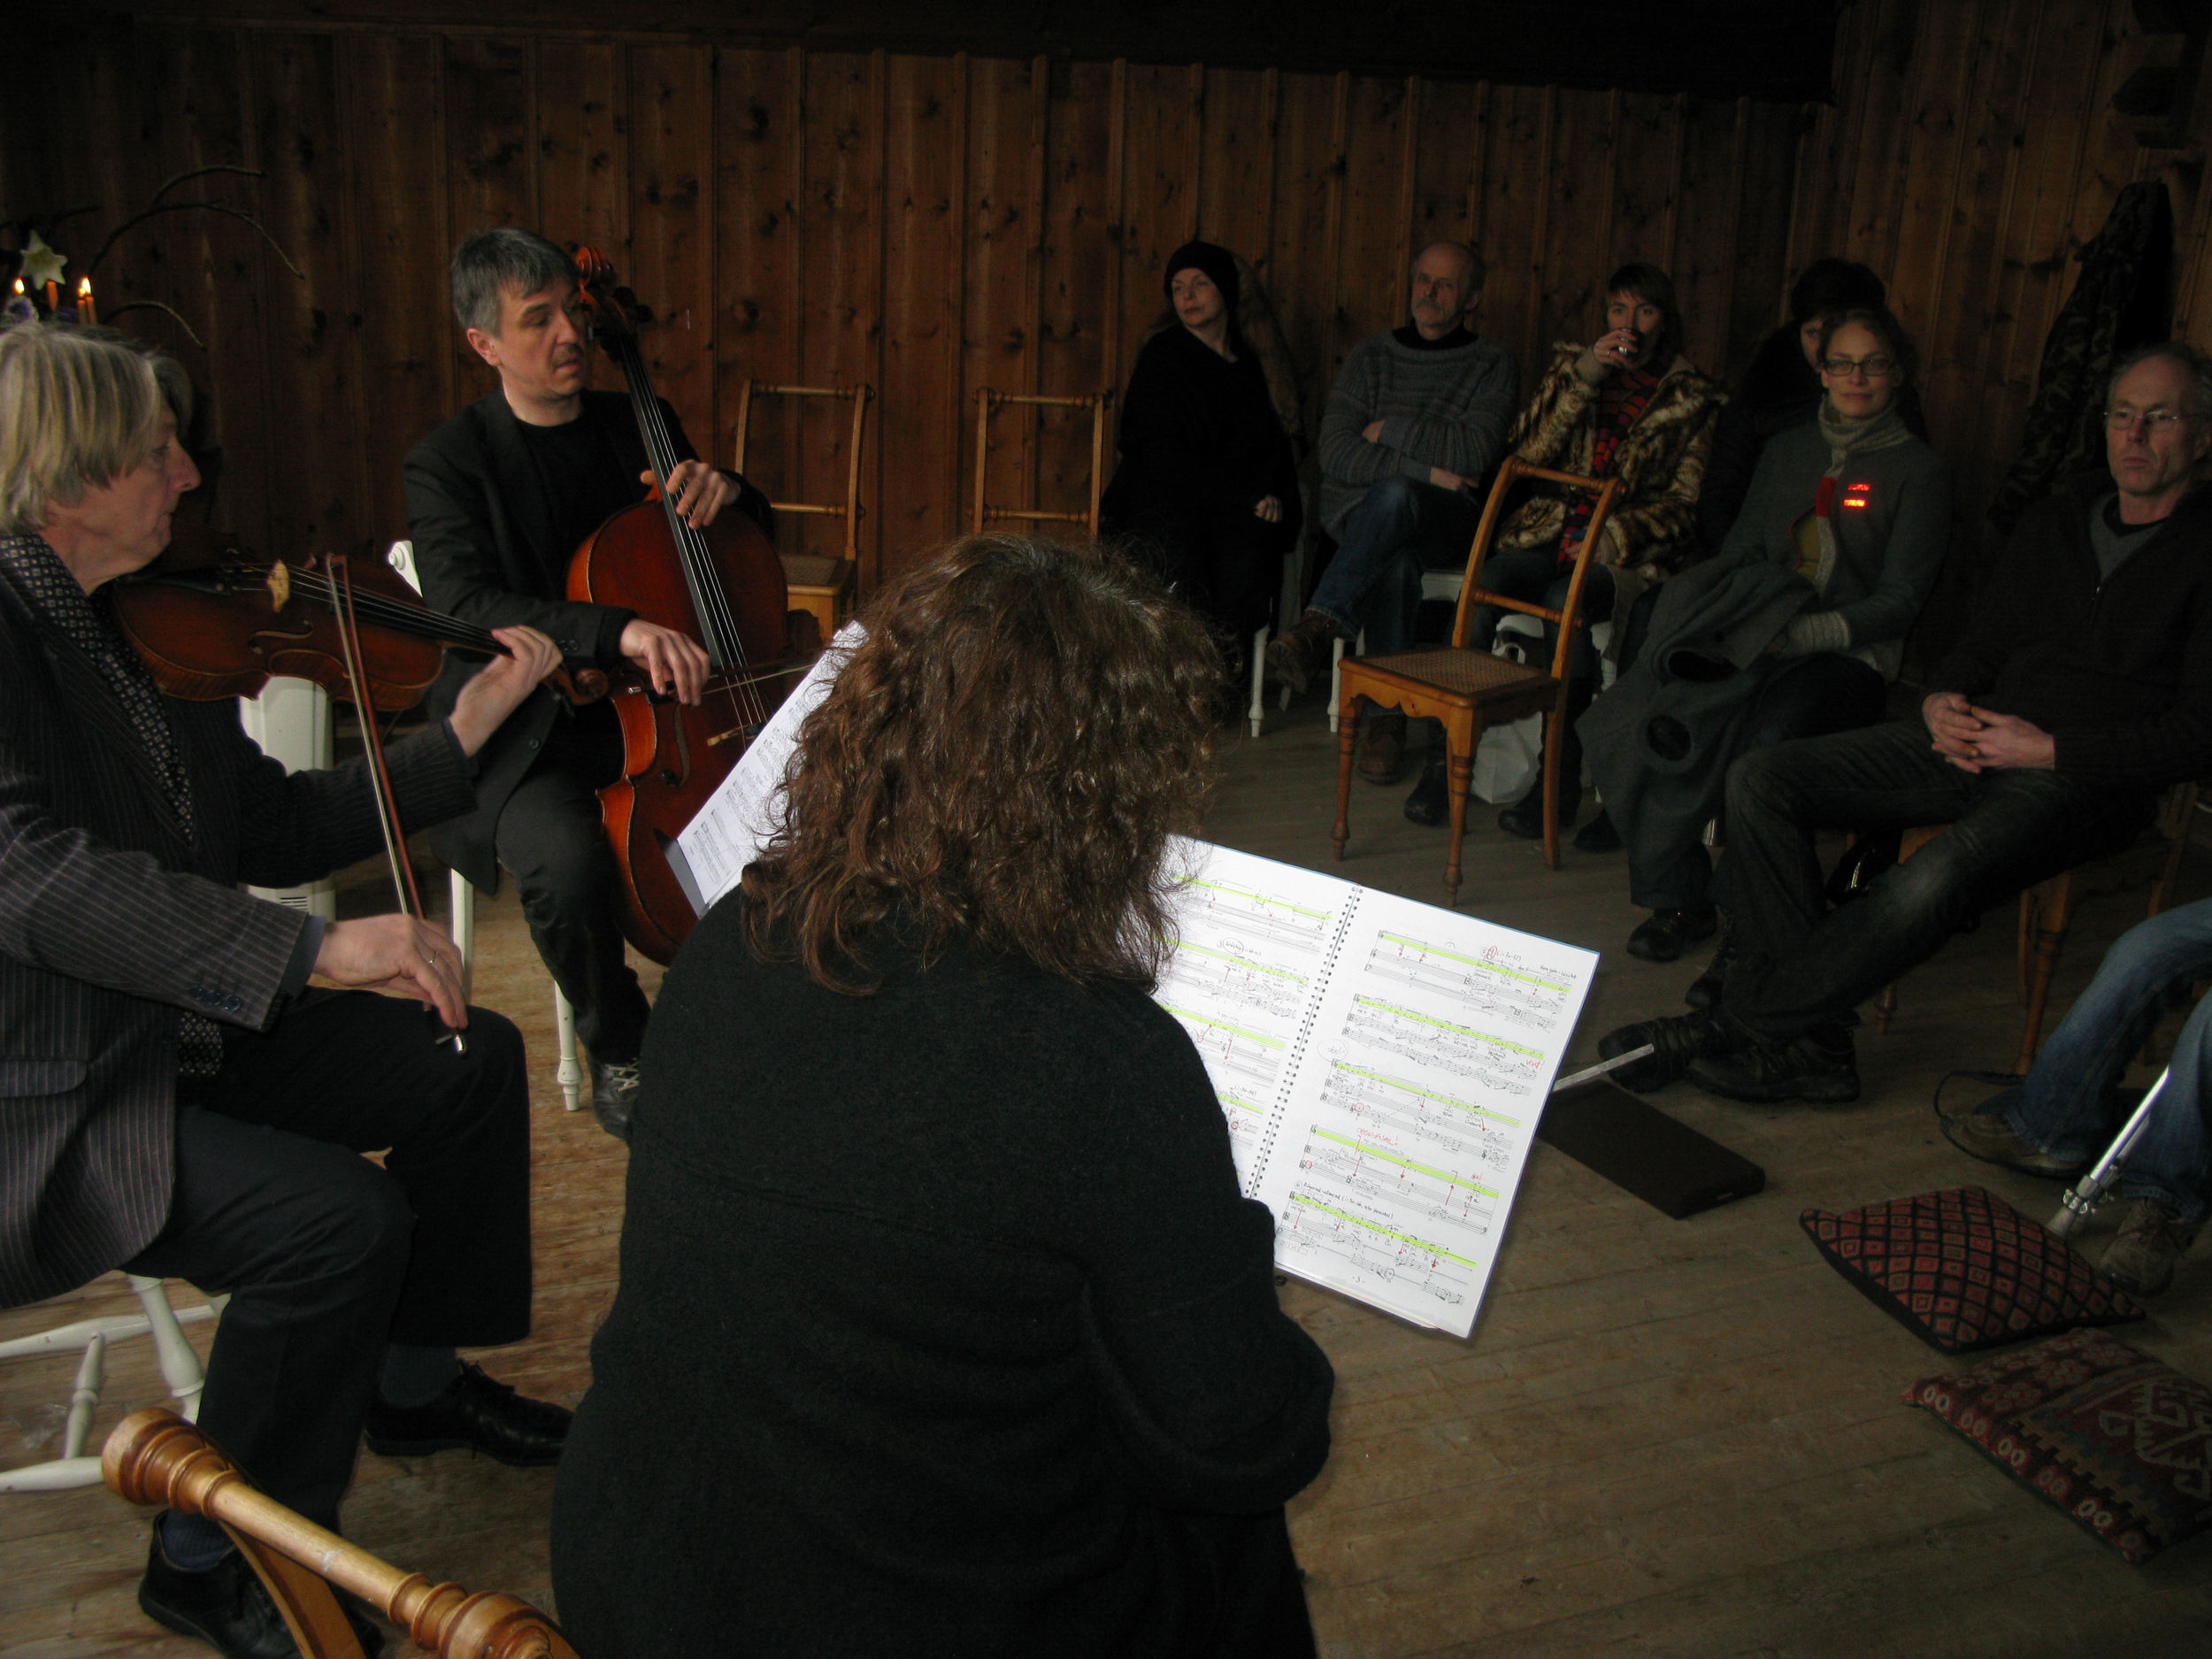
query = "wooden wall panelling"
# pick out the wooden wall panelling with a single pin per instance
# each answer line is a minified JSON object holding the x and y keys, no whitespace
{"x":1159,"y":201}
{"x":1712,"y":208}
{"x":320,"y":503}
{"x":1916,"y":259}
{"x":1762,"y":267}
{"x":671,"y":256}
{"x":1236,"y":189}
{"x":1447,"y":136}
{"x":1375,"y":223}
{"x":1647,"y":182}
{"x":1301,"y":261}
{"x":927,"y":180}
{"x":485,"y":120}
{"x":1513,"y":192}
{"x":840,"y":298}
{"x":1080,"y":268}
{"x":579,"y":165}
{"x":997,"y":349}
{"x":1577,"y":210}
{"x":758,"y":139}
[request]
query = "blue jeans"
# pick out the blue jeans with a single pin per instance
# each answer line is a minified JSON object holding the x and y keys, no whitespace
{"x":2066,"y":1106}
{"x":1800,"y":965}
{"x":1399,"y":528}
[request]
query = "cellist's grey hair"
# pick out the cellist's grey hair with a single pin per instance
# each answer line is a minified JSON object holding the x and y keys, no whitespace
{"x":78,"y":408}
{"x":495,"y":259}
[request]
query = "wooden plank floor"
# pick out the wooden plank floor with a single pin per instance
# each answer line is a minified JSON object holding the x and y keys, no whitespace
{"x":1674,"y":1438}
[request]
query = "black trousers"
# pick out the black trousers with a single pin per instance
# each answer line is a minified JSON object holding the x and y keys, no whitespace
{"x":327,"y":1257}
{"x":549,"y":838}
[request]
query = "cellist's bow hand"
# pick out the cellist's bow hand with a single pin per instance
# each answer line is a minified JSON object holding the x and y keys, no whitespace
{"x":500,"y":686}
{"x":674,"y":664}
{"x":397,"y":954}
{"x":699,"y":491}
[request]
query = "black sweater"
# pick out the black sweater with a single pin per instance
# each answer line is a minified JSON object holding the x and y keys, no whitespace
{"x":2119,"y":672}
{"x":936,"y":1306}
{"x":1198,"y":431}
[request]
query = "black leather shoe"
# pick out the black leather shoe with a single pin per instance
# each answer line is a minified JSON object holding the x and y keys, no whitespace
{"x":1430,"y":801}
{"x":1677,"y":1041}
{"x":1819,"y":1068}
{"x":473,"y":1413}
{"x":1525,"y":817}
{"x":1665,"y":935}
{"x":1708,"y":989}
{"x":227,"y":1607}
{"x":1597,"y":836}
{"x":614,"y":1089}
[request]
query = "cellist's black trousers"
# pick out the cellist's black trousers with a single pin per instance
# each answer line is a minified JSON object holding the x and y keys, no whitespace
{"x":551,"y":840}
{"x":327,"y":1257}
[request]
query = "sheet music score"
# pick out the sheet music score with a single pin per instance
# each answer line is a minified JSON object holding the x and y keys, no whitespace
{"x":1381,"y":1064}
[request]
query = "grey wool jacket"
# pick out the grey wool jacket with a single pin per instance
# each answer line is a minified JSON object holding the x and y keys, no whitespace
{"x":1891,"y":519}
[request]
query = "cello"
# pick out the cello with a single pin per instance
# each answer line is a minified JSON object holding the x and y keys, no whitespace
{"x":722,"y":586}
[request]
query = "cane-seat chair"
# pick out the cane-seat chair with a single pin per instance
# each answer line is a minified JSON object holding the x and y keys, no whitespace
{"x":1469,"y":691}
{"x":156,"y":1457}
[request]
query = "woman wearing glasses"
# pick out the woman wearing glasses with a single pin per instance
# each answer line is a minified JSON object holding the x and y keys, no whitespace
{"x":1859,"y":508}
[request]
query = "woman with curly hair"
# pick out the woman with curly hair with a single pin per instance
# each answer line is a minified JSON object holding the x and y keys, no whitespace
{"x":942,"y":1329}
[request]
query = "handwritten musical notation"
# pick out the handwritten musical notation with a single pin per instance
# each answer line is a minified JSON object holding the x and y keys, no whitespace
{"x":1381,"y":1066}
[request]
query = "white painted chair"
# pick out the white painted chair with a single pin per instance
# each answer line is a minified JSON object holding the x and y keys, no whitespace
{"x":179,"y":1370}
{"x":570,"y":1071}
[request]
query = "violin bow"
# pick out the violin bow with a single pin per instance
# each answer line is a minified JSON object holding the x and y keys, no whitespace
{"x":409,"y":895}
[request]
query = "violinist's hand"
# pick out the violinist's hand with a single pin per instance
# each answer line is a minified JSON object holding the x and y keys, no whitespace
{"x":700,"y":492}
{"x":501,"y":686}
{"x":675,"y":664}
{"x":397,"y":954}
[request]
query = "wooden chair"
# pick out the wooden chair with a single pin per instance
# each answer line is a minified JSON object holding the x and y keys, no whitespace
{"x":987,"y":403}
{"x":179,"y":1370}
{"x":155,"y":1457}
{"x":825,"y":587}
{"x":2047,"y":911}
{"x":1468,"y":690}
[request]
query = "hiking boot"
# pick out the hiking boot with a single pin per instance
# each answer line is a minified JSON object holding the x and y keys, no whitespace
{"x":2152,"y":1239}
{"x":1676,"y":1039}
{"x":1300,"y":653}
{"x":1819,"y":1068}
{"x":1382,"y":747}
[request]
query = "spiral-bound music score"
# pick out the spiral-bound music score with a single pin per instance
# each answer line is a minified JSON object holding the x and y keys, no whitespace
{"x":1381,"y":1064}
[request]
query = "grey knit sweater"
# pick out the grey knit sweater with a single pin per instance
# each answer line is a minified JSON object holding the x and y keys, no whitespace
{"x":1446,"y":408}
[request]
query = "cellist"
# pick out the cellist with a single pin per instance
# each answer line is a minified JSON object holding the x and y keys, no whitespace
{"x":174,"y":1098}
{"x":498,"y":499}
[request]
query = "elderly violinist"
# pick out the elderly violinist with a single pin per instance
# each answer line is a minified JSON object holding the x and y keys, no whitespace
{"x":174,"y":1098}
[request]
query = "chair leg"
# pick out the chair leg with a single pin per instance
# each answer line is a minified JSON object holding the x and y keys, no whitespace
{"x":570,"y":1072}
{"x":1257,"y":710}
{"x":1346,"y":723}
{"x":2054,"y":904}
{"x":1555,"y":724}
{"x":179,"y":1363}
{"x":1461,"y":776}
{"x":1884,"y":1007}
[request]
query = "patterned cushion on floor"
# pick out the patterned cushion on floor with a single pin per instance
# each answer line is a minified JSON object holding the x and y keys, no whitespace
{"x":2119,"y":1441}
{"x":1964,"y":1270}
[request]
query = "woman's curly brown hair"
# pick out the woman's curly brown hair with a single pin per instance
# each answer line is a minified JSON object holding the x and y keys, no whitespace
{"x":1004,"y":757}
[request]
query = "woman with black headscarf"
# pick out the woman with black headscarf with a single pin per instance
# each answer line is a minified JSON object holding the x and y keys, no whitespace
{"x":1208,"y":487}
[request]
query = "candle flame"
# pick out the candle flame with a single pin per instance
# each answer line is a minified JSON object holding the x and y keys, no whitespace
{"x":84,"y":287}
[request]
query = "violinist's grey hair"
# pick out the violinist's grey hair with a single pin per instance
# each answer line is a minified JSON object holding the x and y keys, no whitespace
{"x":505,"y":258}
{"x":78,"y":408}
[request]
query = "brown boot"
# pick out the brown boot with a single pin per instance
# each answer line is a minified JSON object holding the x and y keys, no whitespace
{"x":1300,"y":653}
{"x":2152,"y":1239}
{"x":1382,"y":746}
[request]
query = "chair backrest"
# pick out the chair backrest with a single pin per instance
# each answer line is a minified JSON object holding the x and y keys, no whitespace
{"x":986,"y":401}
{"x":1569,"y":616}
{"x":156,"y":1457}
{"x":849,"y":509}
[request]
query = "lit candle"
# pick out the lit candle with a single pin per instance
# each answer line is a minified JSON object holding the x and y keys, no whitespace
{"x":53,"y":297}
{"x":85,"y":313}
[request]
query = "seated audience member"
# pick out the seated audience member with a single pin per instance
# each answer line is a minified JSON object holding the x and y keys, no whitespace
{"x":2062,"y":1118}
{"x":181,"y":1102}
{"x":1849,"y":516}
{"x":2082,"y":688}
{"x":1414,"y":423}
{"x":1207,"y":476}
{"x":1782,"y":388}
{"x":979,"y":1350}
{"x":1629,"y":406}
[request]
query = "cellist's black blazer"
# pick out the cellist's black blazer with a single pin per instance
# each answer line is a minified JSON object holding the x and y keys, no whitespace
{"x":490,"y":553}
{"x":111,"y":920}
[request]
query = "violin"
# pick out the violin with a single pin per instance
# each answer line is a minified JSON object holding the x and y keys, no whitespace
{"x":723,"y":586}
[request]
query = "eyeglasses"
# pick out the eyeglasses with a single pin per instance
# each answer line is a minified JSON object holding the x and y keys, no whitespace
{"x":1875,"y":368}
{"x":2120,"y":418}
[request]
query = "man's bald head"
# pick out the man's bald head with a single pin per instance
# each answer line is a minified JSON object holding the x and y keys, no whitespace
{"x":1446,"y":287}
